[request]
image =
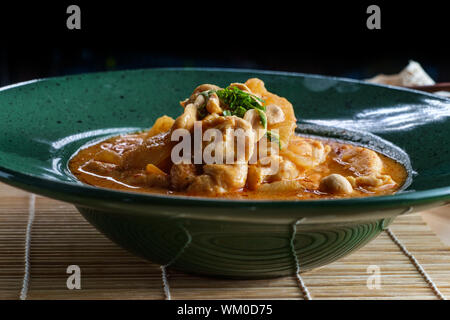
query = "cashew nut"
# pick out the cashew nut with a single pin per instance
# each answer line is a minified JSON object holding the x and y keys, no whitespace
{"x":274,"y":114}
{"x":252,"y":116}
{"x":199,"y":101}
{"x":196,"y":93}
{"x":241,"y":86}
{"x":187,"y":119}
{"x":213,"y":104}
{"x":335,"y":183}
{"x":205,"y":87}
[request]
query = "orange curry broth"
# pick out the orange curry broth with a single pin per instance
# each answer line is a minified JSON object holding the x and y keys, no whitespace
{"x":114,"y":180}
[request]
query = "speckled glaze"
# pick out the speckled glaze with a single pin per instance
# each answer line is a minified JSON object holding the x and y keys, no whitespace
{"x":44,"y":122}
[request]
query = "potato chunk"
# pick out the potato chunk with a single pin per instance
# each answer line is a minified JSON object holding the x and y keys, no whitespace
{"x":162,"y":124}
{"x":154,"y":150}
{"x":286,"y":127}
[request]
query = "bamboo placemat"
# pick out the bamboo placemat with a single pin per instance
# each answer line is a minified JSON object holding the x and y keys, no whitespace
{"x":60,"y":237}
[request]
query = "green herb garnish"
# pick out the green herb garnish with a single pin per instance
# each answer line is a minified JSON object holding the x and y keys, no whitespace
{"x":273,"y":137}
{"x":202,"y":112}
{"x":262,"y":116}
{"x":206,"y":93}
{"x":239,"y":102}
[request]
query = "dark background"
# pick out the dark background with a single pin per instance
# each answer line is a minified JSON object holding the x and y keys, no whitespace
{"x":318,"y":37}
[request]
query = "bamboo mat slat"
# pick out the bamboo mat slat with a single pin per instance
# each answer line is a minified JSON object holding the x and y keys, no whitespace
{"x":61,"y":237}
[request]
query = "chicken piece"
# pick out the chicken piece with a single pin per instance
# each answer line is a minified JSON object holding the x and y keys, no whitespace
{"x":237,"y":144}
{"x":270,"y":169}
{"x":182,"y":175}
{"x":215,"y":179}
{"x":158,"y":180}
{"x":366,"y":168}
{"x":361,"y":161}
{"x":372,"y":181}
{"x":305,"y":153}
{"x":219,"y":178}
{"x":286,"y":171}
{"x":162,"y":124}
{"x":282,"y":187}
{"x":257,"y":174}
{"x":264,"y":148}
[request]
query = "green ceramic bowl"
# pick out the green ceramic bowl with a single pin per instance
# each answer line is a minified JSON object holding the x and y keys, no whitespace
{"x":44,"y":122}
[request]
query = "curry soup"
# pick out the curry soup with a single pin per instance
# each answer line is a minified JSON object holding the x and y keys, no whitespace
{"x":265,"y":159}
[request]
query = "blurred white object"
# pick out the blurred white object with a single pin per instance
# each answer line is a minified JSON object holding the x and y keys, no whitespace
{"x":412,"y":75}
{"x":443,"y":93}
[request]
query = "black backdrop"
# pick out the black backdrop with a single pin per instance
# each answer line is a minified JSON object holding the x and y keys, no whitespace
{"x":315,"y":37}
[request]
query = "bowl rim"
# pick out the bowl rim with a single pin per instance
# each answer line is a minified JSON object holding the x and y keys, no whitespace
{"x":40,"y":185}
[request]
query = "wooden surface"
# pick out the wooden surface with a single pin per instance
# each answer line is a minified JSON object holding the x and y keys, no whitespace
{"x":438,"y":220}
{"x":61,"y":237}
